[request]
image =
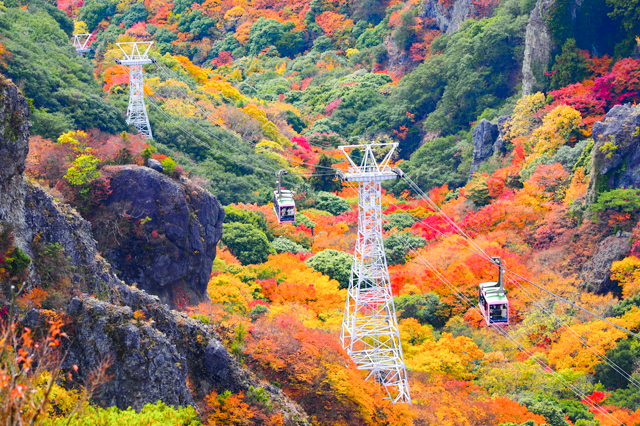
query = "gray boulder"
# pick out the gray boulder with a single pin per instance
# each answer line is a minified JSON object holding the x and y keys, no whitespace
{"x":155,"y":165}
{"x":159,"y":233}
{"x":485,"y":135}
{"x":616,"y":165}
{"x":596,"y":272}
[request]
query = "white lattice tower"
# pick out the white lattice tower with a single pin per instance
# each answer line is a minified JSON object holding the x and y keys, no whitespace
{"x":370,"y":328}
{"x":135,"y":55}
{"x":80,"y":42}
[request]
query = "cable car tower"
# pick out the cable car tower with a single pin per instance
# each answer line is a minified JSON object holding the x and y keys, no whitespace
{"x":135,"y":59}
{"x":370,"y":332}
{"x":80,"y":42}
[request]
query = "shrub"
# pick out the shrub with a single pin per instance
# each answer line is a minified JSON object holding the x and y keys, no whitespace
{"x":397,"y":246}
{"x":247,"y":243}
{"x":399,"y":221}
{"x":621,"y":200}
{"x":169,"y":165}
{"x":285,"y":245}
{"x":151,"y":415}
{"x":331,"y":203}
{"x":333,"y":263}
{"x":426,"y":308}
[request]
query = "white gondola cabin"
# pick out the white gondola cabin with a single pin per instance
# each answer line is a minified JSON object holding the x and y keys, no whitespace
{"x":492,"y":300}
{"x":283,"y":204}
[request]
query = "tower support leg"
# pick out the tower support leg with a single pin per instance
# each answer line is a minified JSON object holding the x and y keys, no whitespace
{"x":137,"y":112}
{"x":370,"y":332}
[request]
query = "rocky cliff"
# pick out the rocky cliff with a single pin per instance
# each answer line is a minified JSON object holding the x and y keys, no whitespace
{"x":159,"y":233}
{"x":615,"y":156}
{"x":538,"y":48}
{"x":155,"y":351}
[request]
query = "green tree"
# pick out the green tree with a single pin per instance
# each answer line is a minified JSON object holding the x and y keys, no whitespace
{"x":400,"y":221}
{"x":570,"y":66}
{"x":333,"y":263}
{"x":247,"y":243}
{"x":322,"y":181}
{"x":404,"y":35}
{"x":624,"y":354}
{"x":331,"y":203}
{"x":285,"y":245}
{"x":397,"y":246}
{"x":233,"y":214}
{"x":264,"y":33}
{"x":426,"y":308}
{"x":136,"y":13}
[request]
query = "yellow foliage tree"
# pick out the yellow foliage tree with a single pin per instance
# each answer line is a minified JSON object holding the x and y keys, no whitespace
{"x":231,"y":291}
{"x":627,"y":272}
{"x":555,"y":131}
{"x":458,"y":357}
{"x":568,"y":351}
{"x":79,"y":27}
{"x":524,"y":118}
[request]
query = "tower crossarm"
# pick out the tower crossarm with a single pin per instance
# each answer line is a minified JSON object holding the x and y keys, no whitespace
{"x":135,"y":53}
{"x":365,"y":166}
{"x":81,"y":42}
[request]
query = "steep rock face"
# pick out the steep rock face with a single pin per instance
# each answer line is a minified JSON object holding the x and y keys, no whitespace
{"x":399,"y":61}
{"x":485,"y":135}
{"x":14,"y":147}
{"x":596,"y":273}
{"x":152,"y":355}
{"x":615,"y":157}
{"x":159,"y":233}
{"x":148,"y":367}
{"x":538,"y":48}
{"x":446,"y":19}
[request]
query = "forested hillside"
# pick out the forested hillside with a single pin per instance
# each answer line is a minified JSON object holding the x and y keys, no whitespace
{"x":516,"y":118}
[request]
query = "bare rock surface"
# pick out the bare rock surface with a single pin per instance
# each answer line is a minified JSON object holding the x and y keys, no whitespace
{"x":159,"y":233}
{"x":615,"y":157}
{"x":154,"y":349}
{"x":596,"y":273}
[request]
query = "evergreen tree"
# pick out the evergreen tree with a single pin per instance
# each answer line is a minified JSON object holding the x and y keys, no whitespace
{"x":570,"y":66}
{"x":324,"y":181}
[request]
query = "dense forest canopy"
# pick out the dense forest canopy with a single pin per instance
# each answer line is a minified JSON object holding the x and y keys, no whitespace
{"x":241,"y":89}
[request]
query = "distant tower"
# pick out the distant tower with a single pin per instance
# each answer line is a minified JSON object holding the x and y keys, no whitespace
{"x":80,"y":42}
{"x":137,"y":112}
{"x":370,"y":328}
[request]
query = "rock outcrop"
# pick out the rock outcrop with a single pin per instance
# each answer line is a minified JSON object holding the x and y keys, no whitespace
{"x":537,"y":49}
{"x":446,"y":19}
{"x":487,"y":141}
{"x":159,"y":233}
{"x":485,"y":135}
{"x":596,"y":273}
{"x":155,"y":351}
{"x":615,"y":157}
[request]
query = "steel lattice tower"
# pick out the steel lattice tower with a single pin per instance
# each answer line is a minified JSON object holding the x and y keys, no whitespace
{"x":370,"y":328}
{"x":80,"y":42}
{"x":137,"y":112}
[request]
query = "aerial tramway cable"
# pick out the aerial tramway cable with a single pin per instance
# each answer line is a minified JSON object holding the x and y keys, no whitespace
{"x":487,"y":257}
{"x":167,"y":73}
{"x":596,"y":352}
{"x":544,"y":366}
{"x":251,"y":157}
{"x":600,"y":355}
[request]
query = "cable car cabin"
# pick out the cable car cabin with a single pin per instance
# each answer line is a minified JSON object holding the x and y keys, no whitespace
{"x":492,"y":299}
{"x":493,"y":304}
{"x":284,"y":206}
